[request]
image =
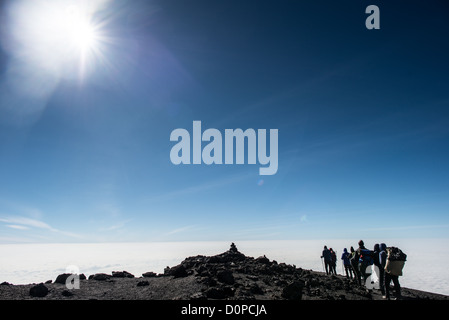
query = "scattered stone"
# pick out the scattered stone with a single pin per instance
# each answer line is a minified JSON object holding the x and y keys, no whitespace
{"x":39,"y":291}
{"x":198,"y":296}
{"x":62,"y":278}
{"x":226,"y":276}
{"x":219,"y":292}
{"x":215,"y":293}
{"x":149,"y":274}
{"x":67,"y":293}
{"x":263,"y":260}
{"x":48,"y":281}
{"x":122,"y":274}
{"x":100,"y":276}
{"x":293,"y":291}
{"x":4,"y":283}
{"x":143,"y":283}
{"x":255,"y":289}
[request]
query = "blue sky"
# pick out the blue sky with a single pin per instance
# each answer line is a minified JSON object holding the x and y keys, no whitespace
{"x":363,"y":120}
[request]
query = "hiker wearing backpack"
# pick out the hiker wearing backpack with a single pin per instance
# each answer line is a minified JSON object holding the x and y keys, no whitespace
{"x":346,"y":263}
{"x":365,"y":260}
{"x":334,"y":261}
{"x":393,"y":269}
{"x":382,"y":263}
{"x":354,"y":260}
{"x":376,"y":261}
{"x":327,"y":259}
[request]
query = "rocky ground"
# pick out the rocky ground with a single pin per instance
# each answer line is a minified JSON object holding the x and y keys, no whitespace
{"x":230,"y":275}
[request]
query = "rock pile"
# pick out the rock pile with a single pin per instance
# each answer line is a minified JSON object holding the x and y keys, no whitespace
{"x":232,"y":275}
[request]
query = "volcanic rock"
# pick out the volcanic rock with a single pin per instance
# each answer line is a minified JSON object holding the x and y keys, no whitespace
{"x":149,"y":274}
{"x":122,"y":274}
{"x":67,"y":293}
{"x":225,"y":276}
{"x":177,"y":271}
{"x":293,"y":291}
{"x":100,"y":276}
{"x":143,"y":283}
{"x":62,"y":278}
{"x":39,"y":291}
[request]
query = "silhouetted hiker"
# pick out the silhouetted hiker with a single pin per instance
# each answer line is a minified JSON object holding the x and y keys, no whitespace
{"x":382,"y":263}
{"x":334,"y":261}
{"x":354,"y":259}
{"x":376,"y":260}
{"x":365,"y":259}
{"x":327,"y":259}
{"x":393,"y":269}
{"x":346,"y":263}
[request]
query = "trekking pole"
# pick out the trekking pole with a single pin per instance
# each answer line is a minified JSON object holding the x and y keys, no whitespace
{"x":322,"y":263}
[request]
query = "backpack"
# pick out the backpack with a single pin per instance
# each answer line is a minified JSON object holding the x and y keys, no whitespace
{"x":396,"y":254}
{"x":395,"y":261}
{"x":366,"y":257}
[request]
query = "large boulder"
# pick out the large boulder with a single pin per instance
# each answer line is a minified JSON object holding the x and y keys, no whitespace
{"x":263,"y":259}
{"x":293,"y":291}
{"x":100,"y":276}
{"x":149,"y":274}
{"x":39,"y":291}
{"x":62,"y":278}
{"x":178,"y":271}
{"x":122,"y":274}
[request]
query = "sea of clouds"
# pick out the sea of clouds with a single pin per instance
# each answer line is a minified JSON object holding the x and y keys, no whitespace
{"x":34,"y":263}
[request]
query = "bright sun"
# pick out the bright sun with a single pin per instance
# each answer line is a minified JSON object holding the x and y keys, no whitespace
{"x":65,"y":38}
{"x":79,"y":29}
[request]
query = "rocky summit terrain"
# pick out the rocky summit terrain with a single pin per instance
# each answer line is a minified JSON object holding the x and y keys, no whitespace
{"x":230,"y":275}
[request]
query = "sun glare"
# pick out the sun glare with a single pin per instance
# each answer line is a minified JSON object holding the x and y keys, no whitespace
{"x":64,"y":38}
{"x":79,"y":29}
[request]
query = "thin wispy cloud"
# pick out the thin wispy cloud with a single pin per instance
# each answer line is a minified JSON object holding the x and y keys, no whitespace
{"x":23,"y":223}
{"x":27,"y":222}
{"x":116,"y":226}
{"x":199,"y":188}
{"x":18,"y":227}
{"x":415,"y":227}
{"x":179,"y":230}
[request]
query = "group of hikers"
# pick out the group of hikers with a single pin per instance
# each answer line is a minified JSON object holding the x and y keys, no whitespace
{"x":387,"y":261}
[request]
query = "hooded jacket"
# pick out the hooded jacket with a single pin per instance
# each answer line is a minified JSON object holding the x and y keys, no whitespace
{"x":383,"y":255}
{"x":376,"y":255}
{"x":345,"y":257}
{"x":326,"y":255}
